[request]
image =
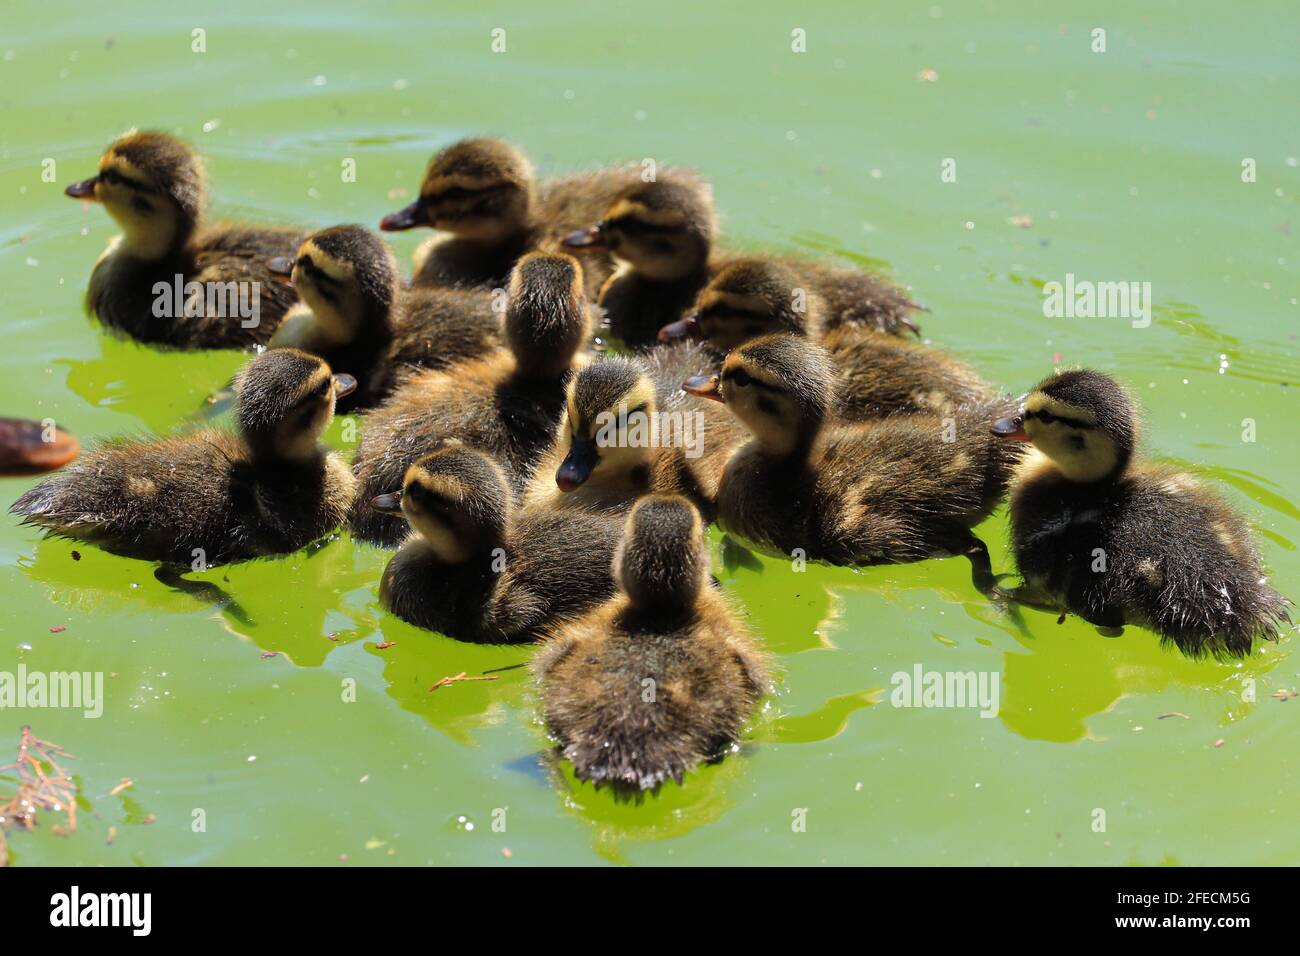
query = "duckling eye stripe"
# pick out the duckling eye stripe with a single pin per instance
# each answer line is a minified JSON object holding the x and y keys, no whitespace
{"x":1048,"y":417}
{"x":113,"y":177}
{"x":630,"y":224}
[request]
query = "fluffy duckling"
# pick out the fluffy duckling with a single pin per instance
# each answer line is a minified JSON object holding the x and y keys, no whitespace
{"x":1119,"y":541}
{"x":659,"y":678}
{"x":211,"y":495}
{"x":506,"y":403}
{"x":629,"y":429}
{"x":877,"y":374}
{"x":355,"y":314}
{"x":483,"y":194}
{"x":661,"y":233}
{"x":895,"y":490}
{"x":475,"y":570}
{"x":153,"y":186}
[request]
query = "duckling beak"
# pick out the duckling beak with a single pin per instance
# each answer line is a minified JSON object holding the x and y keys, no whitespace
{"x":389,"y":504}
{"x":281,"y":267}
{"x":705,"y":386}
{"x":1013,"y":428}
{"x":577,"y":465}
{"x":687,"y":327}
{"x":408,"y":218}
{"x":592,"y":238}
{"x":344,"y":384}
{"x":83,"y":190}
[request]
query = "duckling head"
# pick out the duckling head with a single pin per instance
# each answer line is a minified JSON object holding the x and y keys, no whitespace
{"x":476,"y":189}
{"x":605,"y":430}
{"x":780,"y":386}
{"x":1082,"y":420}
{"x":286,"y":400}
{"x":348,"y":278}
{"x":457,"y":498}
{"x":153,"y":186}
{"x":662,"y":230}
{"x":748,"y":299}
{"x":547,"y":319}
{"x":662,"y":560}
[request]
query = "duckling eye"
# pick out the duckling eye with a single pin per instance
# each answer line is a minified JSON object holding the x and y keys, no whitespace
{"x":741,"y":377}
{"x":111,"y":176}
{"x":1046,"y":417}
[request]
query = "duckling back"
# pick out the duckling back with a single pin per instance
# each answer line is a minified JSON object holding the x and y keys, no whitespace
{"x":1153,"y":548}
{"x":879,"y":374}
{"x":902,"y":489}
{"x":197,"y":497}
{"x":661,"y":677}
{"x":228,"y":262}
{"x":210,"y":496}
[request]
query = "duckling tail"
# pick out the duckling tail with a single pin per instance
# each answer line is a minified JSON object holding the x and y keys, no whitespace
{"x":1221,"y":618}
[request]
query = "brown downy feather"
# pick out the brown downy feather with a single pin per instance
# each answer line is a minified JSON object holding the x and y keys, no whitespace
{"x":210,"y":494}
{"x":901,"y":489}
{"x":506,"y":403}
{"x":659,"y":678}
{"x":513,"y":573}
{"x":688,"y":460}
{"x":1177,"y":558}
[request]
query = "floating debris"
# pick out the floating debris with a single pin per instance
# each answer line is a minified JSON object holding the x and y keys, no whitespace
{"x":38,"y":789}
{"x":266,"y":654}
{"x":1284,"y":694}
{"x":1024,"y":222}
{"x":928,"y":76}
{"x":443,"y":682}
{"x":1174,"y":713}
{"x":1220,"y":742}
{"x":384,"y":645}
{"x":126,"y":784}
{"x":58,"y":629}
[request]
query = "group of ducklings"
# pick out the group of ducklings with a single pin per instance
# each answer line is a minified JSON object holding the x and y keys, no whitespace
{"x":829,"y":431}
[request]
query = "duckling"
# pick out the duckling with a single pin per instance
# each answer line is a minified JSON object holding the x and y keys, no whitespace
{"x":153,"y":186}
{"x":877,"y":374}
{"x":506,"y":403}
{"x":629,"y":429}
{"x":475,"y":569}
{"x":483,"y":193}
{"x":355,"y":314}
{"x":1120,"y":541}
{"x":662,"y":234}
{"x":210,"y":495}
{"x":895,"y":490}
{"x":659,"y":678}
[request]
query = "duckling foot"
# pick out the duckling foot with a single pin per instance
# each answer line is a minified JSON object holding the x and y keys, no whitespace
{"x":981,"y":567}
{"x":205,"y":592}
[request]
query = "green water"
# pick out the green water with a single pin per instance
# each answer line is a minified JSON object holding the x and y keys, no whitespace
{"x":1129,"y":163}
